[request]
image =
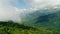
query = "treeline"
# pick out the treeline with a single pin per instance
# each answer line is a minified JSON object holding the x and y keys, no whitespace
{"x":14,"y":28}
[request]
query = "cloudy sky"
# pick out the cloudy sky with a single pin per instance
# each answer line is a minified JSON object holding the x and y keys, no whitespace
{"x":11,"y":9}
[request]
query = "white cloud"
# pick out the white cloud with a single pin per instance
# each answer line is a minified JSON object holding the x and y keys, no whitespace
{"x":42,"y":3}
{"x":7,"y":12}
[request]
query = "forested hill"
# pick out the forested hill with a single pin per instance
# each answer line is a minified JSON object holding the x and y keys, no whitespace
{"x":16,"y":25}
{"x":15,"y":28}
{"x":11,"y":27}
{"x":48,"y":18}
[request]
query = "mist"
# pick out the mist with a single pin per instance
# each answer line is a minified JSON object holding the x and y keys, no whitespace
{"x":9,"y":12}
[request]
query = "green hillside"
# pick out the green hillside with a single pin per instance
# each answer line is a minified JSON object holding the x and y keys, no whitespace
{"x":43,"y":18}
{"x":14,"y":28}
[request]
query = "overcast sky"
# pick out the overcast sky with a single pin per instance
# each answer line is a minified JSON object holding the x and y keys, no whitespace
{"x":11,"y":9}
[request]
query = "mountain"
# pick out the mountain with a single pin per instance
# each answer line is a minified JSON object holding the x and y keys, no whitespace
{"x":45,"y":18}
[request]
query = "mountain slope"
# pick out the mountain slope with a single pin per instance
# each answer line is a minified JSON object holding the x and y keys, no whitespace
{"x":47,"y":19}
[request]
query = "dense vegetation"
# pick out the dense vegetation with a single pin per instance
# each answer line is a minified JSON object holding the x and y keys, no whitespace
{"x":15,"y":28}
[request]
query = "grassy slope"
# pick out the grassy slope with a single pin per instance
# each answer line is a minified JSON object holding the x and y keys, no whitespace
{"x":14,"y":28}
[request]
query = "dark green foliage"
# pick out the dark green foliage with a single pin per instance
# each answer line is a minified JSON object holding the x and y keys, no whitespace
{"x":15,"y":28}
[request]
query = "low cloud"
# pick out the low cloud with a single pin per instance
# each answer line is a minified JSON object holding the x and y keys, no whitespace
{"x":8,"y":12}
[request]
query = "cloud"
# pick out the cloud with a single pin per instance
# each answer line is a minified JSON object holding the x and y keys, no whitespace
{"x":8,"y":12}
{"x":42,"y":3}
